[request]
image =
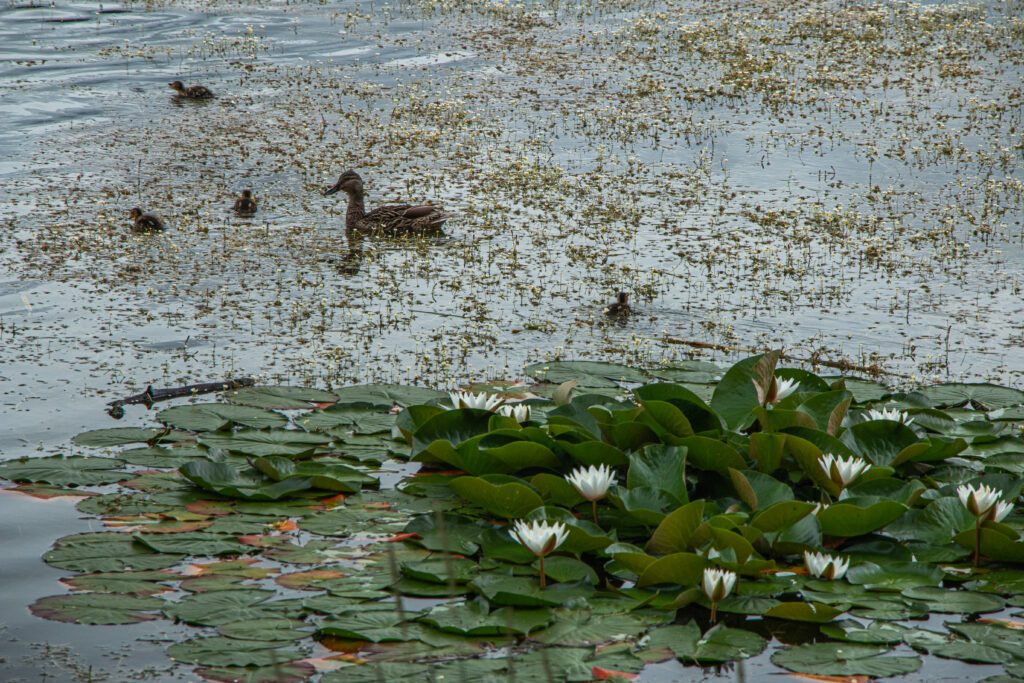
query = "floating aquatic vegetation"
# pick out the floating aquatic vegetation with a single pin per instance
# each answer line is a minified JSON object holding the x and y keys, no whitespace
{"x":721,"y":510}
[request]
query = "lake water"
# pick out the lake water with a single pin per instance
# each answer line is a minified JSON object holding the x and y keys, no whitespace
{"x":844,"y":183}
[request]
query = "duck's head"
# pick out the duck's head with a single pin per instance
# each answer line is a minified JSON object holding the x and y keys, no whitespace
{"x":136,"y":212}
{"x":177,"y":85}
{"x":623,"y":298}
{"x":349,"y":181}
{"x":246,"y":194}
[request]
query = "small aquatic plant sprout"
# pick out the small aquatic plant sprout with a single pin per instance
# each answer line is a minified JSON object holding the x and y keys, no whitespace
{"x":894,"y":414}
{"x":980,"y":502}
{"x":592,"y":483}
{"x":843,"y":471}
{"x":520,"y":414}
{"x":481,"y":401}
{"x":717,"y":584}
{"x":540,"y":538}
{"x":823,"y":565}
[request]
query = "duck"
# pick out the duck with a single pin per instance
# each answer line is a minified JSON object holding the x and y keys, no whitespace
{"x":196,"y":92}
{"x":620,"y":307}
{"x":246,"y":204}
{"x":145,"y":222}
{"x":391,"y":218}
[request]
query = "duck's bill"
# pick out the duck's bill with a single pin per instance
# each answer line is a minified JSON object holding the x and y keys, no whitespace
{"x":332,"y":190}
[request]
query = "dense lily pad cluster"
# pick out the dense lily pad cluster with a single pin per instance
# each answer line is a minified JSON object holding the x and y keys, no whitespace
{"x":548,"y":533}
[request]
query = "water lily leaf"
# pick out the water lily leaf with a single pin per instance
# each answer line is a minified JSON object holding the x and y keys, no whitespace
{"x":665,"y":419}
{"x":223,"y":607}
{"x":374,"y":625}
{"x":846,"y":520}
{"x":119,"y":436}
{"x":523,"y":591}
{"x":879,"y":441}
{"x":221,"y":651}
{"x":948,"y":601}
{"x":735,"y":395}
{"x":212,"y":417}
{"x":759,"y":490}
{"x":126,"y":583}
{"x":643,"y":503}
{"x":286,"y":442}
{"x":388,"y":394}
{"x":781,"y":515}
{"x":105,"y":552}
{"x":813,"y":612}
{"x":281,"y":398}
{"x":993,"y":544}
{"x":568,"y":569}
{"x":662,"y":468}
{"x":587,"y":373}
{"x":822,"y":406}
{"x":517,"y":455}
{"x":875,"y":633}
{"x":452,"y":427}
{"x":353,"y":520}
{"x":673,"y":533}
{"x":980,"y":396}
{"x":509,"y":501}
{"x":322,"y":474}
{"x":684,"y":569}
{"x":74,"y":471}
{"x":194,"y":543}
{"x":595,"y":453}
{"x":441,"y":571}
{"x":895,"y":576}
{"x":362,"y":417}
{"x":710,"y":454}
{"x":473,"y":619}
{"x":97,"y":608}
{"x":375,"y":672}
{"x":995,"y":636}
{"x":720,"y":644}
{"x":581,"y":627}
{"x":246,"y":485}
{"x":286,"y":672}
{"x":158,"y":456}
{"x":844,"y":659}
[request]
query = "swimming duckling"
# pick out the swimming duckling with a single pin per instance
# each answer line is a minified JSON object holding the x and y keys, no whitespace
{"x":145,"y":222}
{"x":620,"y":307}
{"x":391,"y":218}
{"x":196,"y":92}
{"x":246,"y":204}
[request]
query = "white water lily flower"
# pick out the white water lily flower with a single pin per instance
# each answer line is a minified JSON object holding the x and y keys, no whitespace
{"x":717,"y":583}
{"x":784,"y":387}
{"x":592,"y":482}
{"x":1000,"y":511}
{"x":520,"y":414}
{"x":540,"y":538}
{"x":825,"y":566}
{"x":978,"y":501}
{"x":481,"y":401}
{"x":895,"y":415}
{"x":843,"y":471}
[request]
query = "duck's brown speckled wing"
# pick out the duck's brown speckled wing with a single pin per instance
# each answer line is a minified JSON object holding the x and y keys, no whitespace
{"x":198,"y":91}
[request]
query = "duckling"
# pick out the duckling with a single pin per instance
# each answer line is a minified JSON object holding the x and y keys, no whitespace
{"x":246,"y":204}
{"x":196,"y":92}
{"x":391,"y":218}
{"x":145,"y":222}
{"x":620,"y":307}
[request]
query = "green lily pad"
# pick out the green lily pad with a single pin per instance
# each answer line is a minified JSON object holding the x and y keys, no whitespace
{"x":281,"y":398}
{"x":224,"y":607}
{"x":60,"y":471}
{"x":720,"y":644}
{"x":212,"y":417}
{"x":844,"y":659}
{"x":508,"y":501}
{"x":97,"y":608}
{"x":587,"y":373}
{"x":221,"y":651}
{"x":106,"y":552}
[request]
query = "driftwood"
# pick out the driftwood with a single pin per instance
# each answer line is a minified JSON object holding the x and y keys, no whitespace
{"x":151,"y":395}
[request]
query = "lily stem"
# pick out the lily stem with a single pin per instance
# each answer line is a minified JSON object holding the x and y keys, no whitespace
{"x":594,"y":504}
{"x":977,"y":539}
{"x":543,"y":580}
{"x":714,"y":612}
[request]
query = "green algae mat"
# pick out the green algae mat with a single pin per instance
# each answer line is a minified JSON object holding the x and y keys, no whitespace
{"x":601,"y":520}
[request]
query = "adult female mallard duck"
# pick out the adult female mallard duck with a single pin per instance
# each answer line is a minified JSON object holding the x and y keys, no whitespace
{"x":246,"y":204}
{"x":391,"y":218}
{"x":145,"y":222}
{"x":196,"y":92}
{"x":620,"y":307}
